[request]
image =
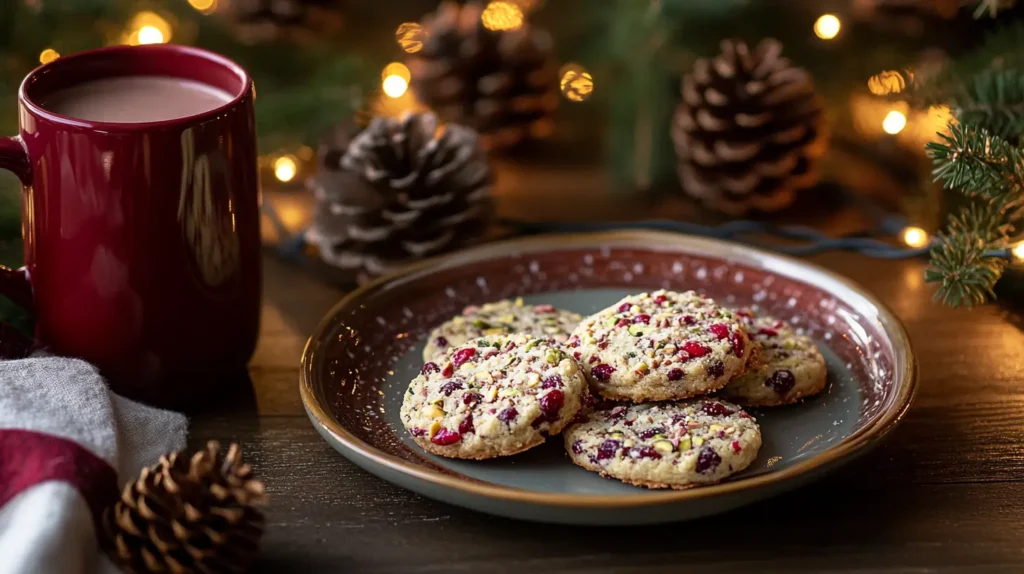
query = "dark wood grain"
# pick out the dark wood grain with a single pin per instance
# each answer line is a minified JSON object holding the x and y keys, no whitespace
{"x":944,"y":493}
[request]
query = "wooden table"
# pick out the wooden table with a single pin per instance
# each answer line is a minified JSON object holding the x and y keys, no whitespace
{"x":946,"y":491}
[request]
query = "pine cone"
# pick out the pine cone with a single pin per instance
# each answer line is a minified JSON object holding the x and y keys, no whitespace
{"x":748,"y":130}
{"x":503,"y":84}
{"x":403,"y":190}
{"x":188,"y":515}
{"x":266,"y":20}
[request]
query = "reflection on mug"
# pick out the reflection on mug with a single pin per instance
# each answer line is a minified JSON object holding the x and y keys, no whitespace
{"x":209,"y":228}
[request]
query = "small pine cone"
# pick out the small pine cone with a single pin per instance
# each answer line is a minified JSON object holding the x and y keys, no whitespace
{"x":188,"y":514}
{"x":266,"y":20}
{"x":403,"y":190}
{"x":503,"y":84}
{"x":749,"y":129}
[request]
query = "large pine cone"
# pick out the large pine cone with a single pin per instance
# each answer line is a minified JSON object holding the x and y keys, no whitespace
{"x":503,"y":84}
{"x":258,"y":21}
{"x":403,"y":190}
{"x":748,"y":130}
{"x":188,"y":515}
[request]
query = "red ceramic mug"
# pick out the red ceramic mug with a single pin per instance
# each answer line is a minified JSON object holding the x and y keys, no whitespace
{"x":142,"y":244}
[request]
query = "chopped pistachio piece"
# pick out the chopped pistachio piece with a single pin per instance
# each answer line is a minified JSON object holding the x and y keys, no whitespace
{"x":663,"y":446}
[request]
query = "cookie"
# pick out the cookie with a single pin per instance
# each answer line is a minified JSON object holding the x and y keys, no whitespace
{"x":493,"y":396}
{"x":500,"y":318}
{"x":790,"y":366}
{"x":660,"y":346}
{"x":665,"y":445}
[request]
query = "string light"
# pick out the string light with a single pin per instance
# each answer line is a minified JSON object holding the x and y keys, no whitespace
{"x":915,"y":237}
{"x":395,"y":80}
{"x":204,"y":6}
{"x":827,"y":26}
{"x":48,"y":55}
{"x":1018,"y":251}
{"x":576,"y":82}
{"x":894,"y":122}
{"x":502,"y":16}
{"x":285,"y":168}
{"x":887,"y":82}
{"x":409,"y":36}
{"x":148,"y":28}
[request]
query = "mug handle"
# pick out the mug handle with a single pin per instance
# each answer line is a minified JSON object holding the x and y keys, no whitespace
{"x":14,"y":283}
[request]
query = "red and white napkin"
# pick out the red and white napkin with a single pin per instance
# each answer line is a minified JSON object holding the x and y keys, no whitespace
{"x":67,"y":444}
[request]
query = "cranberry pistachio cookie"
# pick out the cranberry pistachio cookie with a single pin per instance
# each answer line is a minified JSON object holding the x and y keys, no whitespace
{"x":665,"y":445}
{"x":500,"y":318}
{"x":493,"y":396}
{"x":660,"y":346}
{"x":790,"y":367}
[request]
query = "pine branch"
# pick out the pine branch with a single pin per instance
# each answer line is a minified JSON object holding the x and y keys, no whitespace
{"x":966,"y":273}
{"x":992,"y":7}
{"x":978,"y":164}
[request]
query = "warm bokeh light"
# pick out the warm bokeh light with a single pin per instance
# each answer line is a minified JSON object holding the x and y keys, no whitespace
{"x":148,"y":28}
{"x":827,"y":27}
{"x":48,"y":55}
{"x":1018,"y":251}
{"x":501,"y":16}
{"x":285,"y":168}
{"x":409,"y":36}
{"x":395,"y":79}
{"x":576,"y":82}
{"x":894,"y":122}
{"x":915,"y":237}
{"x":204,"y":6}
{"x":887,"y":82}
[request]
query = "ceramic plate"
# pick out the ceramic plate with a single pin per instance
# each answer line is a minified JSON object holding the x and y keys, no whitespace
{"x":362,"y":356}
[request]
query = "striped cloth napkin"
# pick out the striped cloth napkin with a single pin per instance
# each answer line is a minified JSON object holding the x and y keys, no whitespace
{"x":66,"y":445}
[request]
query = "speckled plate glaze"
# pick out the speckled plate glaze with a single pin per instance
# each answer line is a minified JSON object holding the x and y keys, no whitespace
{"x":360,"y":359}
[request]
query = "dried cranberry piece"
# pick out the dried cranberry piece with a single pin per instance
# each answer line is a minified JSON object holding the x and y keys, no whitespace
{"x":607,"y":449}
{"x":689,"y":320}
{"x":544,"y":308}
{"x":768,"y":332}
{"x":708,"y":460}
{"x":625,"y":307}
{"x":738,"y":344}
{"x":576,"y":355}
{"x":450,"y":387}
{"x":715,"y":409}
{"x":448,"y":371}
{"x":470,"y":399}
{"x":441,"y":342}
{"x":463,"y":355}
{"x":781,"y":382}
{"x":602,"y":372}
{"x":695,"y":349}
{"x":552,"y":402}
{"x":593,"y":359}
{"x":602,"y":345}
{"x":719,"y":330}
{"x":577,"y":447}
{"x":716,"y":369}
{"x":574,"y":341}
{"x":651,"y":432}
{"x":736,"y":448}
{"x":643,"y":452}
{"x":616,"y":413}
{"x":414,"y":431}
{"x":659,"y":299}
{"x":466,"y":426}
{"x":552,"y":382}
{"x":675,"y":374}
{"x":507,"y":415}
{"x":429,"y":368}
{"x":445,"y":437}
{"x":622,"y":323}
{"x":642,"y":318}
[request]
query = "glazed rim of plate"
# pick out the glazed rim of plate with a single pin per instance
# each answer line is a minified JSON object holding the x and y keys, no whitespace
{"x":904,"y":372}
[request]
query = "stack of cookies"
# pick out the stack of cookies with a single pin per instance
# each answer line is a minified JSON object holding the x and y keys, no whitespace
{"x":502,"y":377}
